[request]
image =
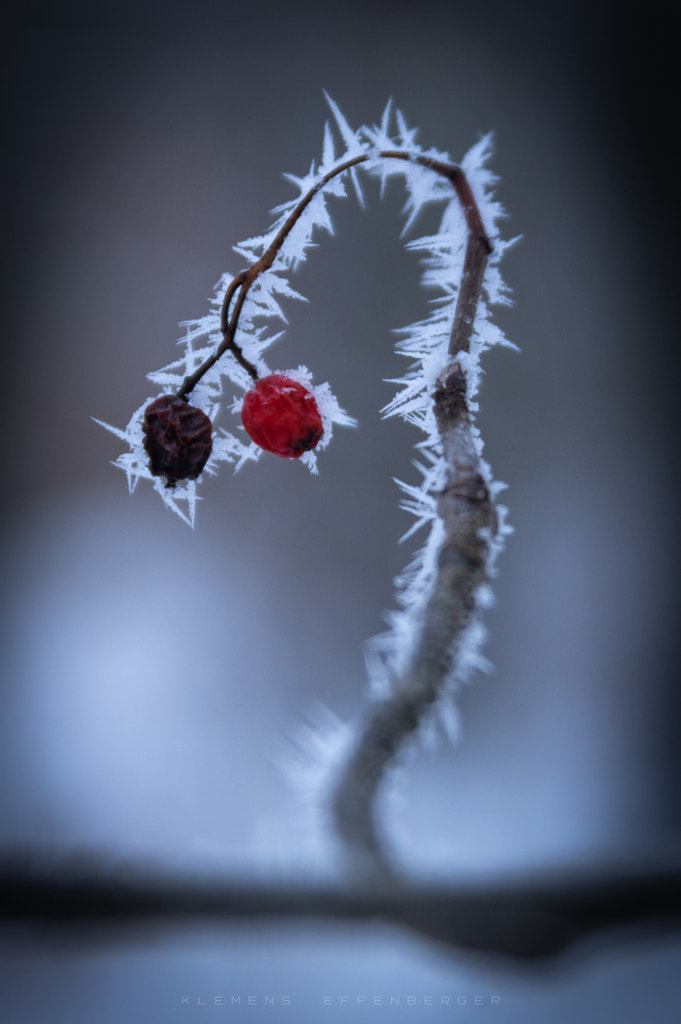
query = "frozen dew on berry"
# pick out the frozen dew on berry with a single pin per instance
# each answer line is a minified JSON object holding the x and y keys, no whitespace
{"x":178,"y":438}
{"x":281,"y":416}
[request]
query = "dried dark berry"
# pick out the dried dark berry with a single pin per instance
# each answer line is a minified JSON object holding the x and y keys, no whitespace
{"x":177,"y":438}
{"x":282,"y":417}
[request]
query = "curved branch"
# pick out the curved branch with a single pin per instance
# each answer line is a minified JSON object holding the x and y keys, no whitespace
{"x":465,"y":506}
{"x":470,"y":521}
{"x":244,"y":281}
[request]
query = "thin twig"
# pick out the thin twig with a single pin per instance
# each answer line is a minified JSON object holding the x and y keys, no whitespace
{"x":243,"y":282}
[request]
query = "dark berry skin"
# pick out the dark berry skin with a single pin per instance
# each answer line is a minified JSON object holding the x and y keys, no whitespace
{"x":282,"y":417}
{"x":177,"y":438}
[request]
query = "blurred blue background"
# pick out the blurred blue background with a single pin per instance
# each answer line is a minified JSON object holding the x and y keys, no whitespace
{"x":153,"y":677}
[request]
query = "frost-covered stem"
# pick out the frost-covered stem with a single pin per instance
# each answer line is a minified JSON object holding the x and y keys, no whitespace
{"x":227,"y":344}
{"x":465,"y":507}
{"x":475,"y":261}
{"x":243,"y":282}
{"x":469,"y":517}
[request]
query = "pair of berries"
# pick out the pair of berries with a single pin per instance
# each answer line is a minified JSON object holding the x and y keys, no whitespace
{"x":279,"y":414}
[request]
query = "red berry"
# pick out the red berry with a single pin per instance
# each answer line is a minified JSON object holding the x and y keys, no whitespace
{"x":177,"y":438}
{"x":282,"y":417}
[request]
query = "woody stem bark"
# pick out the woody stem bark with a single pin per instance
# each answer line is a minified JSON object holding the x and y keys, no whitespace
{"x":468,"y":513}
